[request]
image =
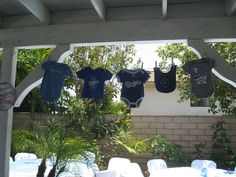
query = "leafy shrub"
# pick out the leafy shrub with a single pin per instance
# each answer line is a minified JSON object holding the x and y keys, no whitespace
{"x":221,"y":144}
{"x":169,"y":152}
{"x":199,"y":149}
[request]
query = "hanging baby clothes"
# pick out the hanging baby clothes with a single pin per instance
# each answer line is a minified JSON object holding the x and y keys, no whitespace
{"x":93,"y":82}
{"x":165,"y":82}
{"x":132,"y":92}
{"x":201,"y":78}
{"x":53,"y":80}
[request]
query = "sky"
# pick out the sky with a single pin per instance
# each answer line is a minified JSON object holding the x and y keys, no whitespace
{"x":147,"y":54}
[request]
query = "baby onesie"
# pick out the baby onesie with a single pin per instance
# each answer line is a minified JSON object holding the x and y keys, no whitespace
{"x":201,"y":79}
{"x":132,"y":92}
{"x":93,"y":82}
{"x":53,"y":80}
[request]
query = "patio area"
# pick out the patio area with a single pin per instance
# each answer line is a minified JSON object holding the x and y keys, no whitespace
{"x":119,"y":167}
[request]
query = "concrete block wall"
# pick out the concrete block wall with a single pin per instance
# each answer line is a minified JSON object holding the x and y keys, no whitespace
{"x":185,"y":131}
{"x":22,"y":120}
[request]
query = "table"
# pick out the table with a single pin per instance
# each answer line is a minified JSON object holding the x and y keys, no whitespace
{"x":192,"y":172}
{"x":26,"y":168}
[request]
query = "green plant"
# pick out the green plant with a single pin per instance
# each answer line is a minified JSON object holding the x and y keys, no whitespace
{"x":52,"y":140}
{"x":232,"y":161}
{"x":170,"y":152}
{"x":221,"y":144}
{"x":199,"y":149}
{"x":89,"y":118}
{"x":131,"y":142}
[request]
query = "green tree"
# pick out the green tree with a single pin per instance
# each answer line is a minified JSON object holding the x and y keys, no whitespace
{"x":224,"y":96}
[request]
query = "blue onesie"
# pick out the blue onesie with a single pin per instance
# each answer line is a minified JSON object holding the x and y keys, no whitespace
{"x":93,"y":82}
{"x":53,"y":80}
{"x":132,"y":92}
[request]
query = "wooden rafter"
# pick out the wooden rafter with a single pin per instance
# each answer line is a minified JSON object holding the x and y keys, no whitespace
{"x":164,"y":9}
{"x":100,"y":8}
{"x":38,"y":9}
{"x":230,"y":7}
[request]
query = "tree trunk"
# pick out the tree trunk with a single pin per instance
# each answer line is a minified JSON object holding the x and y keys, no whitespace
{"x":52,"y":172}
{"x":41,"y":169}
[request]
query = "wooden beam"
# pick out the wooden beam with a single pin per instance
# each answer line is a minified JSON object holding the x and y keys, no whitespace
{"x":2,"y":2}
{"x":100,"y":8}
{"x":35,"y":77}
{"x":8,"y":74}
{"x":222,"y":68}
{"x":164,"y":9}
{"x":38,"y":9}
{"x":230,"y":7}
{"x":184,"y":11}
{"x":121,"y":31}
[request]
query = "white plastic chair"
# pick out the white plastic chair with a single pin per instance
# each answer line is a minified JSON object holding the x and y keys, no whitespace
{"x":107,"y":173}
{"x":88,"y":156}
{"x":80,"y":168}
{"x":118,"y":164}
{"x":10,"y":160}
{"x":86,"y":169}
{"x":198,"y":164}
{"x":117,"y":167}
{"x":65,"y":174}
{"x":124,"y":167}
{"x":155,"y":165}
{"x":133,"y":170}
{"x":25,"y":156}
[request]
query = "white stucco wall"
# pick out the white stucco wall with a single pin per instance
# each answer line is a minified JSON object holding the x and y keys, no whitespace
{"x":157,"y":103}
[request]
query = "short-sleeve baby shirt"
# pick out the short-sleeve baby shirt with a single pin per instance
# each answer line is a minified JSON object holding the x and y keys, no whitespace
{"x":53,"y":80}
{"x":200,"y":75}
{"x":94,"y":81}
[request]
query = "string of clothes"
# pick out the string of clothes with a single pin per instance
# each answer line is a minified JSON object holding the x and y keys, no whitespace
{"x":132,"y":80}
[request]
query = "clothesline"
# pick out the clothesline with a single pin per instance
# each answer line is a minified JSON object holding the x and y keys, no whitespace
{"x":132,"y":80}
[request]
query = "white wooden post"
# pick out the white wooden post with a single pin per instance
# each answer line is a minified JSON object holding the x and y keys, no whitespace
{"x":8,"y":74}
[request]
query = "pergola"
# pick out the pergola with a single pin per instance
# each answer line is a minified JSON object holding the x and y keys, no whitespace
{"x":61,"y":23}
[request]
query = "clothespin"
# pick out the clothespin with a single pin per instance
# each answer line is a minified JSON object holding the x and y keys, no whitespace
{"x":142,"y":65}
{"x":155,"y":64}
{"x":172,"y":62}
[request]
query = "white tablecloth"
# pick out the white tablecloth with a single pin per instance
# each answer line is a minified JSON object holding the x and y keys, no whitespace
{"x":26,"y":168}
{"x":192,"y":172}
